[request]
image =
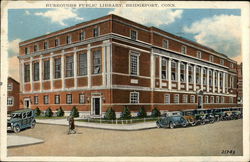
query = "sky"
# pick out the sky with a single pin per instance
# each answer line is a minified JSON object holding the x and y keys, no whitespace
{"x":218,"y":29}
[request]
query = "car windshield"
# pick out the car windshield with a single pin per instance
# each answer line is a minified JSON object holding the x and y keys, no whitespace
{"x":16,"y":115}
{"x":176,"y":118}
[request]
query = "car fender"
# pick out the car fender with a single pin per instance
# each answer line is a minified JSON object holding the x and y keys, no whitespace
{"x":15,"y":124}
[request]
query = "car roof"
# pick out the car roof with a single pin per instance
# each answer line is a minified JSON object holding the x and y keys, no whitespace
{"x":23,"y":110}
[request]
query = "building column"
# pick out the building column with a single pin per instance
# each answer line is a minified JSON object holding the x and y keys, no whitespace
{"x":105,"y":46}
{"x":187,"y":75}
{"x":201,"y":75}
{"x":152,"y":70}
{"x":218,"y":81}
{"x":75,"y":68}
{"x":108,"y":64}
{"x":160,"y":77}
{"x":194,"y":77}
{"x":179,"y":75}
{"x":31,"y":76}
{"x":89,"y":65}
{"x":21,"y":74}
{"x":223,"y":82}
{"x":169,"y":74}
{"x":62,"y":70}
{"x":40,"y":73}
{"x":51,"y":71}
{"x":208,"y":79}
{"x":213,"y":81}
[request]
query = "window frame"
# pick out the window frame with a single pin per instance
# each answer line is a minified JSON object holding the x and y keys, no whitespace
{"x":131,"y":69}
{"x":132,"y":37}
{"x":81,"y":98}
{"x":69,"y":66}
{"x":36,"y":48}
{"x":57,"y":68}
{"x":165,"y":43}
{"x":26,"y":72}
{"x":96,"y":31}
{"x":46,"y":99}
{"x":211,"y":58}
{"x":68,"y":39}
{"x":12,"y":99}
{"x":198,"y":54}
{"x":36,"y":100}
{"x":69,"y":98}
{"x":192,"y":99}
{"x":134,"y":100}
{"x":97,"y":62}
{"x":184,"y":49}
{"x":57,"y":42}
{"x":36,"y":71}
{"x":46,"y":70}
{"x":57,"y":99}
{"x":82,"y":35}
{"x":175,"y":99}
{"x":82,"y":67}
{"x":45,"y":45}
{"x":167,"y":98}
{"x":10,"y":86}
{"x":184,"y":98}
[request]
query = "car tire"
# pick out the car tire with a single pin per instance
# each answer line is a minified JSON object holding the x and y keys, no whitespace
{"x":203,"y":122}
{"x":33,"y":124}
{"x":16,"y":129}
{"x":193,"y":124}
{"x":171,"y":125}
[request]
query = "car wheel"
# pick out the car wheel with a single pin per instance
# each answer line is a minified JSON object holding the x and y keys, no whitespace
{"x":17,"y":129}
{"x":158,"y":125}
{"x":183,"y":124}
{"x":193,"y":124}
{"x":171,"y":125}
{"x":202,"y":122}
{"x":33,"y":125}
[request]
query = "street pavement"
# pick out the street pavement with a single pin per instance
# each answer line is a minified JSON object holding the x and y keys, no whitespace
{"x":126,"y":127}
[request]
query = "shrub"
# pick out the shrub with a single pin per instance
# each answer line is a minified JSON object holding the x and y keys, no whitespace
{"x":74,"y":112}
{"x":155,"y":112}
{"x":126,"y":114}
{"x":110,"y":114}
{"x":48,"y":112}
{"x":142,"y":113}
{"x":60,"y":112}
{"x":37,"y":111}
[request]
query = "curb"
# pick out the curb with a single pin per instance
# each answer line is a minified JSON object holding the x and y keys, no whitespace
{"x":27,"y":141}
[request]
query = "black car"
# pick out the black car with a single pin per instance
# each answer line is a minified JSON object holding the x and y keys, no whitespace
{"x":171,"y":122}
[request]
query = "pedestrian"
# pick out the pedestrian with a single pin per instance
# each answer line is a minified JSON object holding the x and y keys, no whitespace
{"x":71,"y":125}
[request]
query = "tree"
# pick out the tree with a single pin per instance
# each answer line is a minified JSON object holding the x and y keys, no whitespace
{"x":37,"y":111}
{"x":142,"y":113}
{"x":126,"y":114}
{"x":48,"y":112}
{"x":155,"y":112}
{"x":74,"y":112}
{"x":110,"y":114}
{"x":60,"y":112}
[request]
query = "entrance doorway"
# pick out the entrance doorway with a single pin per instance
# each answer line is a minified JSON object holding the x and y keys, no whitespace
{"x":200,"y":101}
{"x":96,"y":105}
{"x":26,"y":103}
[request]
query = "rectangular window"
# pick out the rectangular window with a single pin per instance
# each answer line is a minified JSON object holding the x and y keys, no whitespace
{"x":173,"y":71}
{"x":205,"y":76}
{"x":57,"y":68}
{"x":184,"y":98}
{"x":212,"y":99}
{"x":183,"y":73}
{"x":57,"y":43}
{"x":165,"y":44}
{"x":134,"y":97}
{"x":57,"y":99}
{"x":190,"y":73}
{"x":215,"y":79}
{"x":69,"y":66}
{"x":46,"y":68}
{"x":198,"y":54}
{"x":167,"y":98}
{"x":183,"y":49}
{"x":82,"y":64}
{"x":26,"y":50}
{"x":133,"y":35}
{"x":206,"y":99}
{"x":96,"y":32}
{"x":231,"y":99}
{"x":176,"y":98}
{"x":10,"y":101}
{"x":210,"y":78}
{"x":36,"y":71}
{"x":217,"y":99}
{"x":134,"y":64}
{"x":81,"y":99}
{"x":97,"y":62}
{"x":198,"y":74}
{"x":232,"y":65}
{"x":35,"y":47}
{"x":82,"y":36}
{"x":68,"y":39}
{"x":27,"y":73}
{"x":211,"y":58}
{"x":10,"y":86}
{"x":35,"y":100}
{"x":222,"y":99}
{"x":221,"y":61}
{"x":192,"y":99}
{"x":164,"y":68}
{"x":69,"y":98}
{"x":46,"y":99}
{"x":46,"y":45}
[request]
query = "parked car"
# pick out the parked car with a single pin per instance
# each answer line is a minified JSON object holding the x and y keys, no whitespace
{"x":189,"y":116}
{"x":21,"y":119}
{"x":218,"y":114}
{"x":171,"y":122}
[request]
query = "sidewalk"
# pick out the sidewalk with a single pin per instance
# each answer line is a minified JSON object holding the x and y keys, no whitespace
{"x":16,"y":140}
{"x":126,"y":127}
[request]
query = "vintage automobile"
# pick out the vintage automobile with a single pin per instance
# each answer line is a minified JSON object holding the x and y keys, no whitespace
{"x":218,"y":114}
{"x":189,"y":116}
{"x":21,"y":119}
{"x":171,"y":122}
{"x":236,"y":113}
